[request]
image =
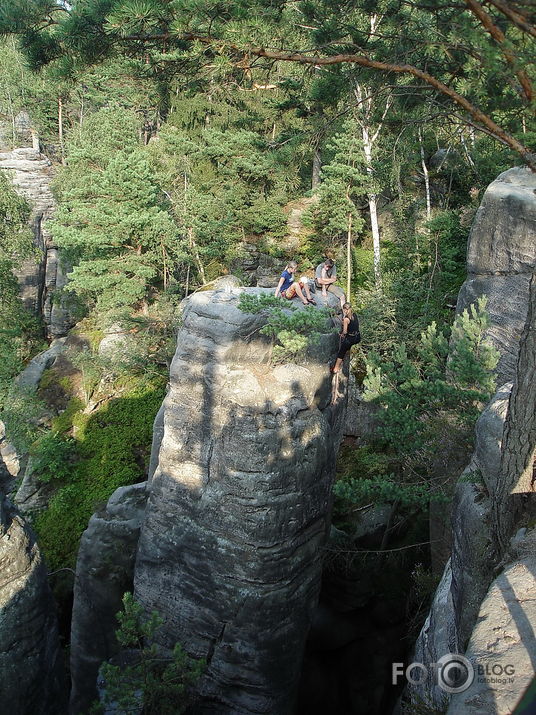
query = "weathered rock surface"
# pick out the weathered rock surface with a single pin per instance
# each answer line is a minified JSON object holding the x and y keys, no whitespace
{"x":501,"y":257}
{"x":502,"y":648}
{"x":30,"y":377}
{"x":9,"y":462}
{"x":239,"y":504}
{"x":360,"y":416}
{"x":104,"y":572}
{"x":31,"y":173}
{"x":30,"y":658}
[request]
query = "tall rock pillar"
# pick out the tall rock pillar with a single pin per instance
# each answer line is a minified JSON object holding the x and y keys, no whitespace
{"x":230,"y":551}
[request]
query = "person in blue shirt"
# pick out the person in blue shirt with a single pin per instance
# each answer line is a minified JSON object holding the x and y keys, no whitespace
{"x":288,"y":287}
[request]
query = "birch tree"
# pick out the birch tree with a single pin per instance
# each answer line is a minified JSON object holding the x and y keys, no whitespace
{"x":365,"y":113}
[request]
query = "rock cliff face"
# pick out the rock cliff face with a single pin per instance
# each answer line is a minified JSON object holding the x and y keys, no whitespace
{"x":31,"y":173}
{"x":501,"y":258}
{"x":501,"y":262}
{"x":30,"y":661}
{"x":230,"y":550}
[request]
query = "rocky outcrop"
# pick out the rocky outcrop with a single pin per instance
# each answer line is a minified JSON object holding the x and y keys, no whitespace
{"x":255,"y":267}
{"x":30,"y":659}
{"x":501,"y":257}
{"x":239,"y":505}
{"x":31,"y":173}
{"x":104,"y":572}
{"x":361,"y":418}
{"x":30,"y":377}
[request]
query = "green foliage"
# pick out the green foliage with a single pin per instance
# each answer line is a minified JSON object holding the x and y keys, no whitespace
{"x":154,"y":683}
{"x":21,"y":412}
{"x":385,"y":489}
{"x":412,"y":391}
{"x":472,"y":358}
{"x":112,"y":447}
{"x":113,"y":219}
{"x":52,"y":457}
{"x":293,"y":329}
{"x":420,"y":396}
{"x":344,"y":182}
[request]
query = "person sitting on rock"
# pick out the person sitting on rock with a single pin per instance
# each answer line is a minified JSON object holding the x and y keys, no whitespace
{"x":288,"y":287}
{"x":350,"y":335}
{"x":325,"y":277}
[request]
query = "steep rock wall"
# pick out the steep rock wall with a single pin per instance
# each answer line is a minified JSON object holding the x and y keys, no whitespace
{"x":501,"y":257}
{"x":230,"y":551}
{"x":31,"y":672}
{"x":501,"y":262}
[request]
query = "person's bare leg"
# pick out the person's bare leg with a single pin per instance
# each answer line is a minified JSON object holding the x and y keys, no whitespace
{"x":300,"y":295}
{"x":307,"y":291}
{"x":337,"y":366}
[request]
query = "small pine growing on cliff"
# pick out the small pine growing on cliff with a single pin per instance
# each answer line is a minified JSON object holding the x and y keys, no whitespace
{"x":152,"y":683}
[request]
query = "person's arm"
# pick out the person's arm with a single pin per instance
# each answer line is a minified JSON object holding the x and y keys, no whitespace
{"x":325,"y":279}
{"x":281,"y":281}
{"x":345,"y":324}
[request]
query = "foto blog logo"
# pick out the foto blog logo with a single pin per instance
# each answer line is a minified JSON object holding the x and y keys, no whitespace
{"x":453,"y":673}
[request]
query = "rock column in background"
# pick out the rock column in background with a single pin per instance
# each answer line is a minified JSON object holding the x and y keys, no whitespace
{"x":230,"y":551}
{"x":31,"y":173}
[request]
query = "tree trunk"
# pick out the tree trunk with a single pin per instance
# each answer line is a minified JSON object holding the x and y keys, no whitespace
{"x":317,"y":166}
{"x":196,"y":254}
{"x":426,"y":180}
{"x":373,"y":209}
{"x":60,"y":128}
{"x":349,"y":258}
{"x":516,"y":474}
{"x":373,"y":205}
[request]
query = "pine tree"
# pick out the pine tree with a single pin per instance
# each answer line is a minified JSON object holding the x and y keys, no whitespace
{"x":113,"y":220}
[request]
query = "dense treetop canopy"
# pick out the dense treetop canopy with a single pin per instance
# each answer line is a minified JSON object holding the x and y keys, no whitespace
{"x":476,"y":56}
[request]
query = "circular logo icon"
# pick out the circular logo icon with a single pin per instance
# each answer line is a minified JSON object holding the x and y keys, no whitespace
{"x":454,"y":673}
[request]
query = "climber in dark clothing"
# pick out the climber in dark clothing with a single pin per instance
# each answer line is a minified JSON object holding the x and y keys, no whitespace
{"x":350,"y":335}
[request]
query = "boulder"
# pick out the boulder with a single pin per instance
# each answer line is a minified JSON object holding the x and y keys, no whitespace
{"x":32,"y":495}
{"x":31,"y":668}
{"x":230,"y":550}
{"x":104,"y":572}
{"x":30,"y":377}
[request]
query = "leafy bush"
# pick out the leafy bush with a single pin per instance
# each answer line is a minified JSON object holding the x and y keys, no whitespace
{"x":293,"y":329}
{"x":385,"y":489}
{"x":52,"y":457}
